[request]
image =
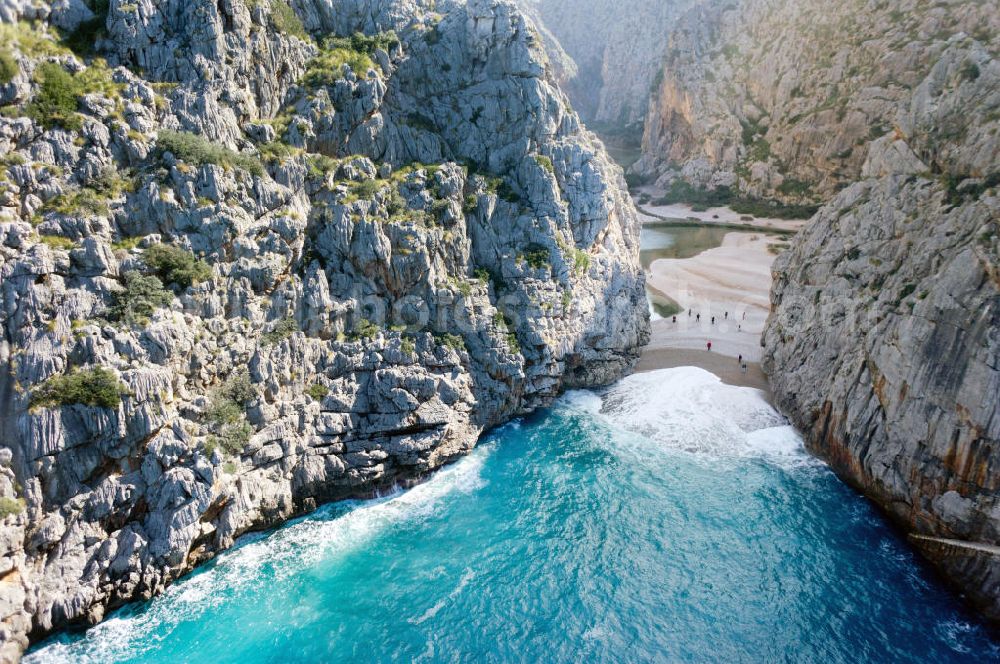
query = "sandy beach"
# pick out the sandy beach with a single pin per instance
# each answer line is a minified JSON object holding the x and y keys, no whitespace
{"x":731,"y":283}
{"x":649,"y":213}
{"x":725,"y":367}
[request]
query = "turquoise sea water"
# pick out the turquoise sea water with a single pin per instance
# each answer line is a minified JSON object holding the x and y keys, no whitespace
{"x":677,"y":519}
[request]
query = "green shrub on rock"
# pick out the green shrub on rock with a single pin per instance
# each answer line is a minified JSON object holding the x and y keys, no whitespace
{"x":317,"y":391}
{"x":794,"y":187}
{"x":229,"y":402}
{"x":238,"y":389}
{"x":231,"y":439}
{"x":365,"y":329}
{"x":81,"y":40}
{"x":284,"y":329}
{"x":328,"y":66}
{"x":110,"y":184}
{"x":80,"y":202}
{"x":55,"y":103}
{"x":8,"y":66}
{"x":545,"y":162}
{"x":286,"y":21}
{"x":93,"y":199}
{"x":139,"y":298}
{"x":197,"y":150}
{"x":175,"y":265}
{"x":91,"y":387}
{"x":537,"y":256}
{"x":970,"y":71}
{"x":366,"y":189}
{"x":58,"y":242}
{"x":226,"y":414}
{"x":10,"y":506}
{"x":453,"y":341}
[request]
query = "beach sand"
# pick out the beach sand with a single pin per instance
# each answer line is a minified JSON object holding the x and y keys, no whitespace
{"x":650,"y":213}
{"x":732,"y":283}
{"x":725,"y":367}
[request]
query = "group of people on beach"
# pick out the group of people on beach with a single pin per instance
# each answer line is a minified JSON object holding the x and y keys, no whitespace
{"x":708,"y":345}
{"x":697,"y":317}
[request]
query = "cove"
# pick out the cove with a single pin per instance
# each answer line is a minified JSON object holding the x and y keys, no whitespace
{"x":670,"y":518}
{"x":677,"y":241}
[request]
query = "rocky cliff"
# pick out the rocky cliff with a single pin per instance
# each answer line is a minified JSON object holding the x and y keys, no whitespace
{"x":884,"y":341}
{"x":616,"y":49}
{"x":255,"y":257}
{"x":781,"y":100}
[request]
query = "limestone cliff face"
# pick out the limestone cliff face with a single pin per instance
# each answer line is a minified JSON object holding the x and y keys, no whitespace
{"x":782,"y":99}
{"x":616,"y":48}
{"x":884,"y":342}
{"x":246,"y":269}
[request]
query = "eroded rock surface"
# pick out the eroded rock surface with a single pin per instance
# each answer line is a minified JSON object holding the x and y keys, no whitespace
{"x":387,"y":245}
{"x":781,"y":99}
{"x":884,"y":342}
{"x":614,"y":50}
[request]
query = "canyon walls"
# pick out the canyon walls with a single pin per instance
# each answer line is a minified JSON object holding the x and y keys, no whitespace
{"x":883,"y":346}
{"x":616,"y":48}
{"x":781,"y":100}
{"x":884,"y":341}
{"x":255,"y":257}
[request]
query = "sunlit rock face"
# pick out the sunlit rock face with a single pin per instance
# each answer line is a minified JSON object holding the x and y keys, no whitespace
{"x":884,"y":342}
{"x":247,"y":269}
{"x":783,"y":100}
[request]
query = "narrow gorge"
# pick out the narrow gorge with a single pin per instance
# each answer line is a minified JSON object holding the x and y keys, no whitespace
{"x":883,"y":119}
{"x":326,"y":335}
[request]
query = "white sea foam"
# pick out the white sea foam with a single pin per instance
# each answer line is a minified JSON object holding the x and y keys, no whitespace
{"x":692,"y":410}
{"x":285,"y":552}
{"x":467,"y":576}
{"x":955,"y":633}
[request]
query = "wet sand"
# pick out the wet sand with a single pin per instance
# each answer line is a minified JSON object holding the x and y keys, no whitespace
{"x":732,"y":283}
{"x":723,"y":366}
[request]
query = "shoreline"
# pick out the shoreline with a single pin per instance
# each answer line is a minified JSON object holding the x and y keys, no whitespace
{"x":719,"y":215}
{"x":732,"y":283}
{"x":723,"y":366}
{"x":692,"y":222}
{"x":723,"y":293}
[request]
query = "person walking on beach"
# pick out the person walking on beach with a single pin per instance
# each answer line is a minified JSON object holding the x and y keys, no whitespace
{"x":709,"y":346}
{"x":727,"y":315}
{"x":740,"y":359}
{"x":698,"y":318}
{"x":689,"y":313}
{"x":713,"y":320}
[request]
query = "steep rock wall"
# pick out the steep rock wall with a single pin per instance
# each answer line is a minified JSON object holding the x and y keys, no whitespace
{"x":386,"y":246}
{"x":616,"y":48}
{"x":781,"y":99}
{"x":884,"y":341}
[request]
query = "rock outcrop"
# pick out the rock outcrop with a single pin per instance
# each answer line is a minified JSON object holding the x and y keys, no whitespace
{"x":616,"y":49}
{"x":781,"y":99}
{"x":884,"y":341}
{"x":251,"y":263}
